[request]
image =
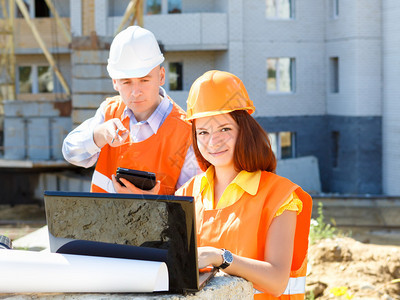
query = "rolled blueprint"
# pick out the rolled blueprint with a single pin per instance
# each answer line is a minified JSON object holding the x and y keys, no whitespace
{"x":30,"y":272}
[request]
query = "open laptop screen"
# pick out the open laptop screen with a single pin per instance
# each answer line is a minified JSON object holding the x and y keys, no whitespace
{"x":150,"y":227}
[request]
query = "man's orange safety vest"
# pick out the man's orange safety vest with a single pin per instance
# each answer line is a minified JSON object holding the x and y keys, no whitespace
{"x":162,"y":153}
{"x":243,"y":226}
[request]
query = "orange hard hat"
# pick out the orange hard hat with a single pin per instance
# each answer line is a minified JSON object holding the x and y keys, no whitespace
{"x":217,"y":92}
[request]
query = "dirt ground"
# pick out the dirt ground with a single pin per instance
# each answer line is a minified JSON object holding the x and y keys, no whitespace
{"x":343,"y":268}
{"x":340,"y":268}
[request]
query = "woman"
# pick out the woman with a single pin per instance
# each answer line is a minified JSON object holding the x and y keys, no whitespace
{"x":251,"y":222}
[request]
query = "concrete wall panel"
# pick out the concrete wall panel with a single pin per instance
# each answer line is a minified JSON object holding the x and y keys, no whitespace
{"x":391,"y":103}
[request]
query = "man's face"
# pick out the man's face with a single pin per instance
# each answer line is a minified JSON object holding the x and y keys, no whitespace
{"x":141,"y":95}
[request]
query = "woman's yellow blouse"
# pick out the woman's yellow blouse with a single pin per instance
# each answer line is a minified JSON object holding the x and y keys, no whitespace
{"x":243,"y":182}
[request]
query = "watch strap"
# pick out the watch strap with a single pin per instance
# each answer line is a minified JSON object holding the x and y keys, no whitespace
{"x":226,"y":263}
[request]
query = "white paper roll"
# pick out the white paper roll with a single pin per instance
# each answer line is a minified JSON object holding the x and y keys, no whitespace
{"x":28,"y":272}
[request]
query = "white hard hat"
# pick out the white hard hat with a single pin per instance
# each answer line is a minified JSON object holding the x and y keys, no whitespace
{"x":134,"y":52}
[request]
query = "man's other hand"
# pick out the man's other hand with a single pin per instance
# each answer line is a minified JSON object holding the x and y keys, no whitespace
{"x":130,"y":188}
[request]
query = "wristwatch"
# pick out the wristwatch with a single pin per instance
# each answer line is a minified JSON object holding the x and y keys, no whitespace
{"x":227,"y":258}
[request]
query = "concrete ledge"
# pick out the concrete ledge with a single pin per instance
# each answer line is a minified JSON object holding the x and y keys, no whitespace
{"x":369,"y":219}
{"x":29,"y":164}
{"x":222,"y":286}
{"x":360,"y":210}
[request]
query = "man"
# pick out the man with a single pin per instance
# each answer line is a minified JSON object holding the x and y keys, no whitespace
{"x":140,"y":129}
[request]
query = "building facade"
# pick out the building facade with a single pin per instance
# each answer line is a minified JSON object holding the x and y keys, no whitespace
{"x":322,"y":74}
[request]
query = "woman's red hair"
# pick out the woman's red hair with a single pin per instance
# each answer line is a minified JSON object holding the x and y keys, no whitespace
{"x":253,"y":150}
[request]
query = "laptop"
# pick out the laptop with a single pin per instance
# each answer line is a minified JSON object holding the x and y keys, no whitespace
{"x":145,"y":227}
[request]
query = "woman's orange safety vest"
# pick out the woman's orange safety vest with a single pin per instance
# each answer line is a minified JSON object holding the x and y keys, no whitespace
{"x":162,"y":153}
{"x":243,"y":226}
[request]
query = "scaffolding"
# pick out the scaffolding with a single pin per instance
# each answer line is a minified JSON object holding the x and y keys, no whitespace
{"x":7,"y":59}
{"x":8,"y":62}
{"x":11,"y":145}
{"x":133,"y":13}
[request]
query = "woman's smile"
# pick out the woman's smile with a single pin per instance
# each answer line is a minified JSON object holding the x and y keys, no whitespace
{"x":219,"y":153}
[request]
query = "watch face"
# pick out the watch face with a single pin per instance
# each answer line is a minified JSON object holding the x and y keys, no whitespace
{"x":228,"y":256}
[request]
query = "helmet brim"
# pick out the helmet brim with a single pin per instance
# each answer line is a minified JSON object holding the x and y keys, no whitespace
{"x":250,"y":110}
{"x":118,"y":73}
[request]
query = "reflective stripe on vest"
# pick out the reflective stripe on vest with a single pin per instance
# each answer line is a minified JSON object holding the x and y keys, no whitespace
{"x":103,"y":182}
{"x":296,"y":285}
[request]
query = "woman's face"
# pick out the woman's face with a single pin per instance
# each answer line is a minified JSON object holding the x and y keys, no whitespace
{"x":216,"y":139}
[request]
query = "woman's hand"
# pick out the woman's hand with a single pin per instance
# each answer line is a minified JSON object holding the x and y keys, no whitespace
{"x":130,"y":188}
{"x":209,"y":256}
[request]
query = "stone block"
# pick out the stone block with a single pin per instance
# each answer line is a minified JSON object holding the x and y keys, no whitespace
{"x":91,"y":101}
{"x":74,"y":183}
{"x":14,"y":138}
{"x":38,"y":141}
{"x":90,"y":71}
{"x":35,"y":138}
{"x":18,"y":108}
{"x":81,"y":115}
{"x":86,"y":185}
{"x":89,"y":57}
{"x":47,"y":182}
{"x":90,"y":86}
{"x":295,"y":170}
{"x":60,"y":127}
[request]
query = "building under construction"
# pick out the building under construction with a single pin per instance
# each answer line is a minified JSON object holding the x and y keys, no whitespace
{"x":322,"y":75}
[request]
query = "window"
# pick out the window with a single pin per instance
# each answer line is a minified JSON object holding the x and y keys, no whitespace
{"x":175,"y":76}
{"x":283,"y":144}
{"x":41,"y":9}
{"x":116,"y":8}
{"x":335,"y":8}
{"x":35,"y":79}
{"x":280,"y":75}
{"x":334,"y":74}
{"x":25,"y":80}
{"x":155,"y":7}
{"x":279,"y":9}
{"x":36,"y":8}
{"x":335,"y":148}
{"x":45,"y":79}
{"x":174,"y":6}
